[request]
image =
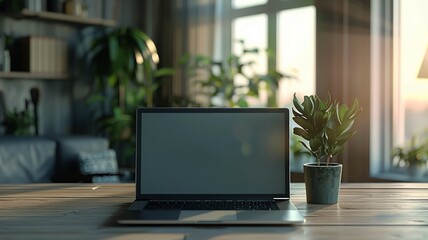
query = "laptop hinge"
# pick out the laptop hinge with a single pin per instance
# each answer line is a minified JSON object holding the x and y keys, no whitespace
{"x":281,"y":198}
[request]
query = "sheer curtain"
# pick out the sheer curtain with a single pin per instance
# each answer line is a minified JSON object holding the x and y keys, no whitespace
{"x":179,"y":27}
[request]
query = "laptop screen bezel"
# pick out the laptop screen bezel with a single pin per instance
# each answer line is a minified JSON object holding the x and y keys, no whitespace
{"x":140,"y":196}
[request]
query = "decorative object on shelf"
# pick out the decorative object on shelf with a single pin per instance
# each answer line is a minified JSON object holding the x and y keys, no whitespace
{"x":75,"y":7}
{"x":413,"y":156}
{"x":35,"y":97}
{"x":40,"y":55}
{"x":326,"y":126}
{"x":124,"y":64}
{"x":6,"y":43}
{"x":218,"y":79}
{"x":18,"y":123}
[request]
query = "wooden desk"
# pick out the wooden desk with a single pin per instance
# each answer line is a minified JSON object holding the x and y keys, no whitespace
{"x":86,"y":211}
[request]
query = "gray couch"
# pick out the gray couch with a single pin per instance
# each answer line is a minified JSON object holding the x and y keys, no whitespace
{"x":41,"y":159}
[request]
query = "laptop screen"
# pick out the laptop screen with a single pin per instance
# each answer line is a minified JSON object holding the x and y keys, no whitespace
{"x":200,"y":151}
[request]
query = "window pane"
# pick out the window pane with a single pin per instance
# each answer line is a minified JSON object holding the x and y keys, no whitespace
{"x":410,"y":98}
{"x":413,"y":42}
{"x":243,"y":29}
{"x":296,"y":52}
{"x":296,"y":56}
{"x":247,"y":3}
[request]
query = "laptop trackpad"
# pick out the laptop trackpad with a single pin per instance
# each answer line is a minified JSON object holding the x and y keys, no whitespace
{"x":214,"y":216}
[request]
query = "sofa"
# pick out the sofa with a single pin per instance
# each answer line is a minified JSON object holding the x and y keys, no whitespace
{"x":35,"y":159}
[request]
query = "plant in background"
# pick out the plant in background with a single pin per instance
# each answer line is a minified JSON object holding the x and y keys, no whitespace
{"x":297,"y":148}
{"x":218,"y":79}
{"x":413,"y":154}
{"x":124,"y":62}
{"x":325,"y":125}
{"x":18,"y":123}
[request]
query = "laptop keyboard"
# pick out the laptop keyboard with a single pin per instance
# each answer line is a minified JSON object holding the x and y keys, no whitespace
{"x":211,"y":205}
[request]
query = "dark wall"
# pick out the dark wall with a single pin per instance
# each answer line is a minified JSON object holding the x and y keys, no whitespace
{"x":62,"y":107}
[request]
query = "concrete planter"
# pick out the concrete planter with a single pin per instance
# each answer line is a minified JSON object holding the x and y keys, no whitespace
{"x":322,"y":182}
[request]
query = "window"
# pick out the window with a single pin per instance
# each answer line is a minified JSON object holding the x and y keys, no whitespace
{"x":286,"y":28}
{"x":400,"y":106}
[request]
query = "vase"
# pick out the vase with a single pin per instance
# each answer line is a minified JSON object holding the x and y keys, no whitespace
{"x":416,"y":171}
{"x":322,"y":182}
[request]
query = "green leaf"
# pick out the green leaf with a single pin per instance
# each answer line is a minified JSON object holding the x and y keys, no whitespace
{"x":185,"y":59}
{"x":319,"y":120}
{"x":354,"y":111}
{"x":164,"y":72}
{"x":304,"y":124}
{"x":295,"y":113}
{"x":337,"y":116}
{"x":96,"y":98}
{"x":316,"y":102}
{"x":113,"y":46}
{"x":302,"y":133}
{"x":337,"y":149}
{"x":242,"y":103}
{"x":229,"y":91}
{"x":345,"y":126}
{"x":307,"y":106}
{"x":297,"y":104}
{"x":331,"y":136}
{"x":202,"y":60}
{"x":315,"y":143}
{"x":112,"y":80}
{"x":343,"y":109}
{"x":307,"y":148}
{"x":342,"y":139}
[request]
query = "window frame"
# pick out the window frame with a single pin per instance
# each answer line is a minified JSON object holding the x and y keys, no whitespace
{"x":271,"y":8}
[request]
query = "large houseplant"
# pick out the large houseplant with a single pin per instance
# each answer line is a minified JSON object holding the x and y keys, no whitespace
{"x":124,"y":64}
{"x":326,"y":126}
{"x":218,"y":79}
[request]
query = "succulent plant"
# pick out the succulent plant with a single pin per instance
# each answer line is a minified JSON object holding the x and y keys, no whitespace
{"x":325,"y":125}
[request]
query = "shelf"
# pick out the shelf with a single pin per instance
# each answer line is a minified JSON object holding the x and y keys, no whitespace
{"x":29,"y":75}
{"x":65,"y":18}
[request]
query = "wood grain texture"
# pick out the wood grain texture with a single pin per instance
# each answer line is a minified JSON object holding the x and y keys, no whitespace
{"x":88,"y":211}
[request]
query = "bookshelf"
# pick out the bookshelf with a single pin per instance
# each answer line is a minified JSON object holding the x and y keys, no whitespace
{"x":31,"y":75}
{"x":66,"y":19}
{"x":52,"y":18}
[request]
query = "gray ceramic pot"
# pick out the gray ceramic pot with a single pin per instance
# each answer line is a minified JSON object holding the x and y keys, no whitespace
{"x":322,"y":182}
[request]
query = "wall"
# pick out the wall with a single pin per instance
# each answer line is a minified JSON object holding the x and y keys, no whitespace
{"x":55,"y":95}
{"x":343,"y":70}
{"x":62,"y":108}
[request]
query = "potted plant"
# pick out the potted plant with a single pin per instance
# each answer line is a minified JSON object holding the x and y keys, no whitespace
{"x":326,"y":126}
{"x":218,"y":79}
{"x":414,"y":156}
{"x":18,"y":123}
{"x":124,"y":64}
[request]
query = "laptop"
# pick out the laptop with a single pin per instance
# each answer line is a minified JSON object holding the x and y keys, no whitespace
{"x":212,"y":166}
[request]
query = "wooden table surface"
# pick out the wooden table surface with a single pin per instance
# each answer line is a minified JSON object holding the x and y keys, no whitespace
{"x":87,"y":211}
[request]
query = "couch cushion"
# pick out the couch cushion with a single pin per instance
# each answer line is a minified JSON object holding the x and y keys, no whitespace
{"x":101,"y":167}
{"x":26,"y":159}
{"x":68,"y":148}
